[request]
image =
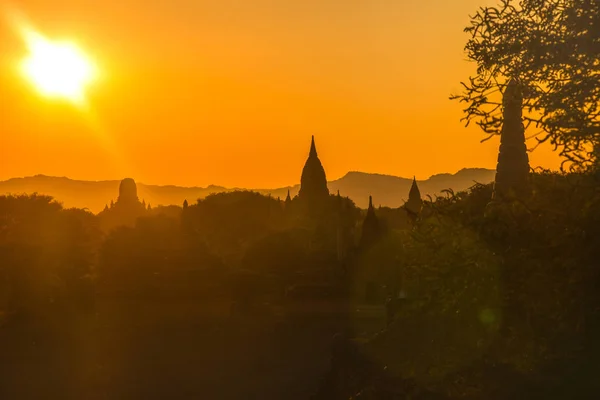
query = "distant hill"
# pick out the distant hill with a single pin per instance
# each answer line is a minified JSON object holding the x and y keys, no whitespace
{"x":392,"y":191}
{"x":386,"y":190}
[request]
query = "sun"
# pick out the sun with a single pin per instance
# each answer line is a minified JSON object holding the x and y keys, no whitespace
{"x":57,"y":69}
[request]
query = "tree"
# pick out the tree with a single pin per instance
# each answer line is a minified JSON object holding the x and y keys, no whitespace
{"x":551,"y":47}
{"x":46,"y":252}
{"x":229,"y":222}
{"x":279,"y":253}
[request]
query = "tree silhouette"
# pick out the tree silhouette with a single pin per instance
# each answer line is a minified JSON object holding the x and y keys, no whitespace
{"x":552,"y":48}
{"x":229,"y":222}
{"x":45,"y":252}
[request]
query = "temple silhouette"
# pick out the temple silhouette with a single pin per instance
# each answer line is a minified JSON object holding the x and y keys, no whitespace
{"x":333,"y":216}
{"x":313,"y":182}
{"x":126,"y":210}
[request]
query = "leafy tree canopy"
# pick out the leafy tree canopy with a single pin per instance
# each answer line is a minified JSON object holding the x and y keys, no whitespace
{"x":552,"y":48}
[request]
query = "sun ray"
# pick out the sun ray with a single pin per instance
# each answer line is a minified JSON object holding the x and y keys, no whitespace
{"x":38,"y":67}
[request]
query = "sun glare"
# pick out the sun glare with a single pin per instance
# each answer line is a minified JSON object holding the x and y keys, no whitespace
{"x":57,"y":69}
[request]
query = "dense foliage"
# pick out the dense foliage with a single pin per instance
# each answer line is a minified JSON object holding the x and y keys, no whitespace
{"x":46,"y":254}
{"x":552,"y":48}
{"x":490,"y":294}
{"x":500,"y":297}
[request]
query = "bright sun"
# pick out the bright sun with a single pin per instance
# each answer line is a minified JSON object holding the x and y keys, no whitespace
{"x":57,"y":69}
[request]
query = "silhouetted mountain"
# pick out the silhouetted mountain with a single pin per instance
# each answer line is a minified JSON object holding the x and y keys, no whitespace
{"x":387,"y":190}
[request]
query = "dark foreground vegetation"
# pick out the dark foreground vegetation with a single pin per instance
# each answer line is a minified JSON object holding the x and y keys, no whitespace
{"x":233,"y":297}
{"x":491,"y":299}
{"x":503,"y":301}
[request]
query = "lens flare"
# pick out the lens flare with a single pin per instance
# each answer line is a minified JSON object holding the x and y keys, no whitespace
{"x":57,"y":69}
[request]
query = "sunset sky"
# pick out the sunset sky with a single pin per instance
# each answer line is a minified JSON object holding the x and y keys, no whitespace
{"x":199,"y":92}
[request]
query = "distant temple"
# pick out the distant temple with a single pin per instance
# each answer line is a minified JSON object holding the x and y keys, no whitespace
{"x":371,"y":228}
{"x":126,"y":210}
{"x":127,"y":193}
{"x":414,"y":205}
{"x":288,"y":200}
{"x":313,"y":183}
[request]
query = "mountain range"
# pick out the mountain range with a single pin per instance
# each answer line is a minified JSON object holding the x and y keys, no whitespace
{"x":387,"y":190}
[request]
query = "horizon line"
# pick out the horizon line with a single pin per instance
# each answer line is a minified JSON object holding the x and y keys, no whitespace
{"x":237,"y":187}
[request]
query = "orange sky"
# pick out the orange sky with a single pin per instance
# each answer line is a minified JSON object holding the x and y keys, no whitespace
{"x":196,"y":92}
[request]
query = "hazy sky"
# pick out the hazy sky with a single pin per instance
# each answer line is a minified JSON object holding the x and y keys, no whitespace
{"x":195,"y":92}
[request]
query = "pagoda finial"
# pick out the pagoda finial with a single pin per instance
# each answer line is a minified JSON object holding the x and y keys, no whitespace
{"x":313,"y":148}
{"x":288,"y":199}
{"x":371,"y":229}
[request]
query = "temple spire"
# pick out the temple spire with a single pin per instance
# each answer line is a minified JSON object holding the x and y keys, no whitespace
{"x":288,"y":200}
{"x":512,"y":170}
{"x":415,"y":202}
{"x":313,"y":148}
{"x":371,"y":229}
{"x":313,"y":182}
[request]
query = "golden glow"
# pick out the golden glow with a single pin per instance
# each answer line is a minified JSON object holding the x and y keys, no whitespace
{"x":223,"y":94}
{"x":57,"y":69}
